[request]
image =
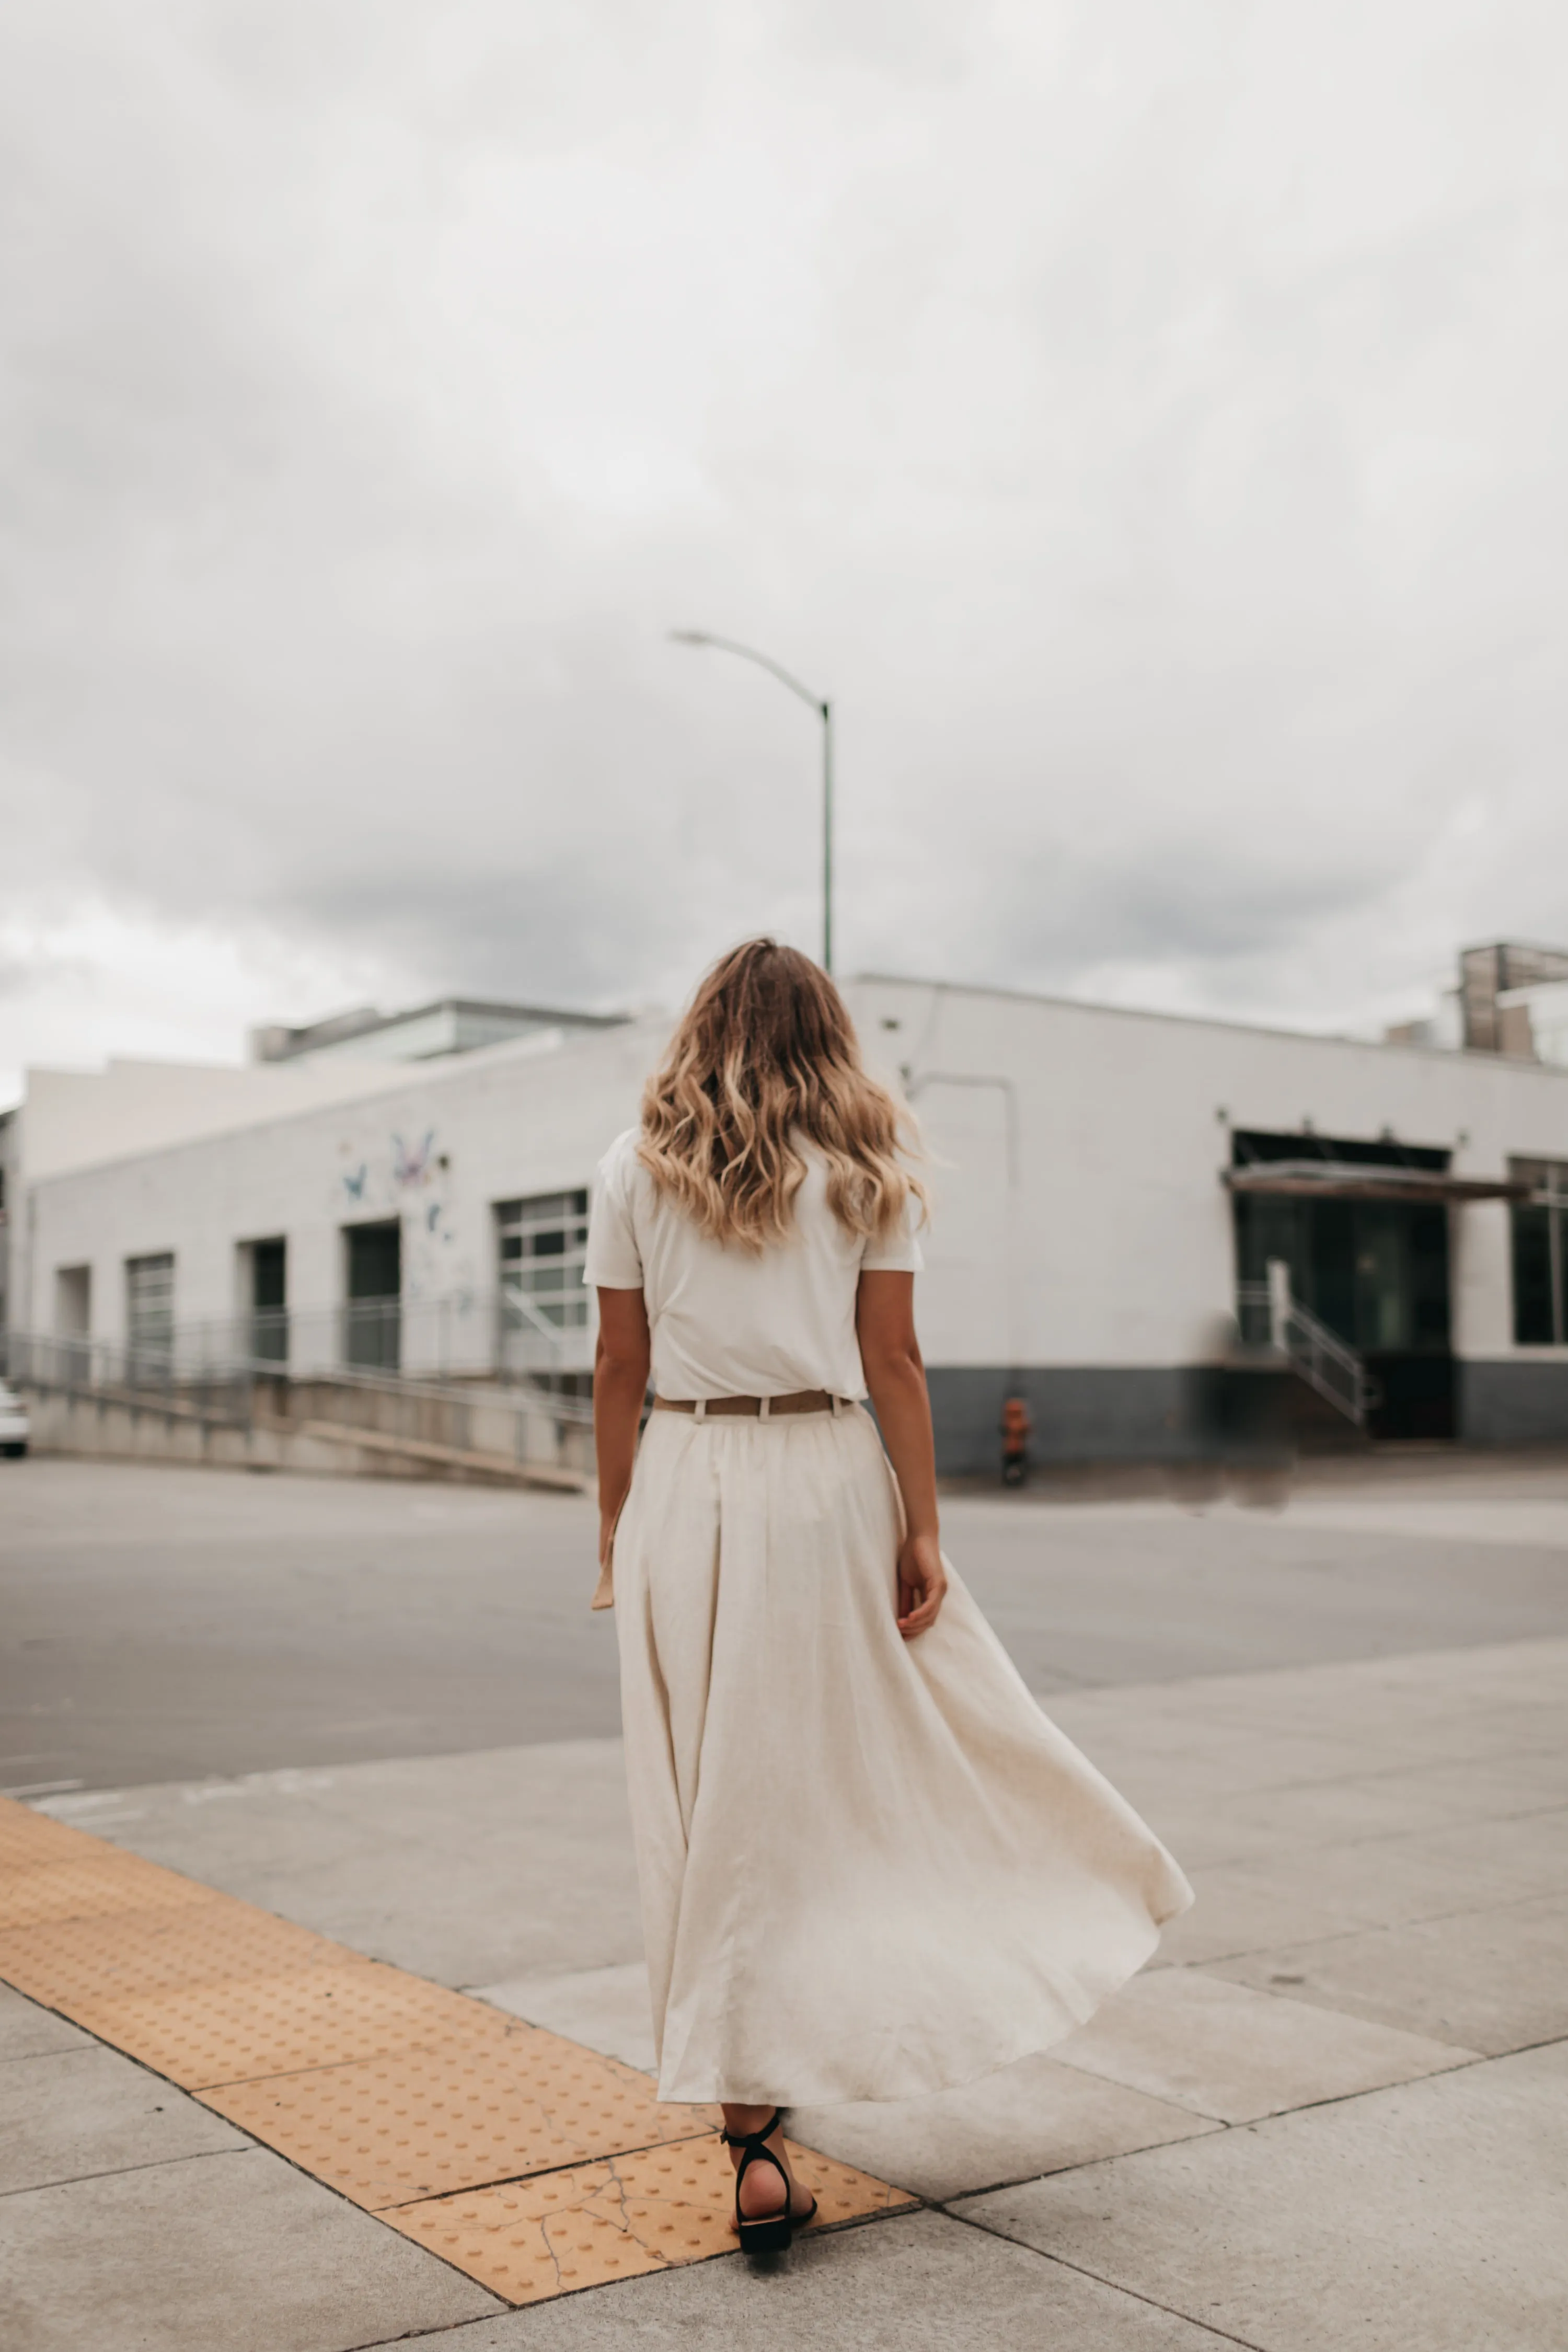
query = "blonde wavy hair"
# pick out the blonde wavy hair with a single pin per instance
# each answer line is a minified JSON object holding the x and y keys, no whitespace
{"x":767,"y":1054}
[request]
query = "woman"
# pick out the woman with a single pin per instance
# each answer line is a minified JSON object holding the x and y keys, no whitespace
{"x":870,"y":1866}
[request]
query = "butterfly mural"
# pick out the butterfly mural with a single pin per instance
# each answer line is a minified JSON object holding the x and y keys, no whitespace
{"x":411,"y":1163}
{"x":355,"y":1185}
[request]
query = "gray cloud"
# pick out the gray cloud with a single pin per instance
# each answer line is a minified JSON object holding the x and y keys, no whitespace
{"x":1208,"y":908}
{"x":1148,"y":431}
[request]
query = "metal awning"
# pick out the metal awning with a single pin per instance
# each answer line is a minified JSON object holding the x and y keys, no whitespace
{"x":1345,"y":1179}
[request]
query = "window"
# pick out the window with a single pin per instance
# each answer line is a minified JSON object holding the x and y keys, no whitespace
{"x":150,"y":1303}
{"x":73,"y":1301}
{"x":542,"y":1246}
{"x":265,"y":1272}
{"x":373,"y":1312}
{"x":1376,"y":1272}
{"x":1540,"y":1255}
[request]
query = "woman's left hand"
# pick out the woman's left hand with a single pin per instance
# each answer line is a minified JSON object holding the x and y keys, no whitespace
{"x":922,"y":1584}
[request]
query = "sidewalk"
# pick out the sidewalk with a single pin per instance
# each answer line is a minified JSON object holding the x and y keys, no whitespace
{"x":1334,"y":2115}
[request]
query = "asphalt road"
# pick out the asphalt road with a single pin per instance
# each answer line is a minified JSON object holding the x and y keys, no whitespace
{"x":168,"y":1624}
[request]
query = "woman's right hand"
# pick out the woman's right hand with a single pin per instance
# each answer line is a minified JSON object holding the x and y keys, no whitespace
{"x":922,"y":1584}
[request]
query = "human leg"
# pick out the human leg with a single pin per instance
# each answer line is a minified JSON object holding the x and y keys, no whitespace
{"x":760,"y":2193}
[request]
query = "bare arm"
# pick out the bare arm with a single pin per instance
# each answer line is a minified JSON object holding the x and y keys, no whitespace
{"x":621,"y":1359}
{"x":896,"y":1376}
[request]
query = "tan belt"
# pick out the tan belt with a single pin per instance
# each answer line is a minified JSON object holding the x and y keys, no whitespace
{"x":753,"y":1408}
{"x":729,"y":1408}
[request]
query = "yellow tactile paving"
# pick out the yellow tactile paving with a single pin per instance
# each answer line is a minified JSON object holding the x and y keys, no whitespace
{"x":331,"y":2014}
{"x":138,"y":1952}
{"x":422,"y":2122}
{"x":83,"y":1887}
{"x":550,"y":2236}
{"x":530,"y":2164}
{"x":647,"y":2211}
{"x":27,"y":1837}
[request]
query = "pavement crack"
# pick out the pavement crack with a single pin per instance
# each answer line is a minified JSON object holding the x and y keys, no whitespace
{"x":554,"y":2257}
{"x":623,"y":2211}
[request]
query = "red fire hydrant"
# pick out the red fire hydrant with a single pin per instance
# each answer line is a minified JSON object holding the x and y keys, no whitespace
{"x":1015,"y":1426}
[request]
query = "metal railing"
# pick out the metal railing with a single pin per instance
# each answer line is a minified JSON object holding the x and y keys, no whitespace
{"x":523,"y":1422}
{"x":459,"y":1335}
{"x":1323,"y":1360}
{"x":145,"y":1379}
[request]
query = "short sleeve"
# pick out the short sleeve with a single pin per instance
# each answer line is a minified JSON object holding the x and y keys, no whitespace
{"x":896,"y":1251}
{"x":613,"y":1261}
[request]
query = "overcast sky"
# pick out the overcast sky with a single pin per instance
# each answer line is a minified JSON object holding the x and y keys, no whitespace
{"x":1145,"y":418}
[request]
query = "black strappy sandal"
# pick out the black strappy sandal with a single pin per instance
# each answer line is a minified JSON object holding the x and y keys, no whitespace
{"x":767,"y":2233}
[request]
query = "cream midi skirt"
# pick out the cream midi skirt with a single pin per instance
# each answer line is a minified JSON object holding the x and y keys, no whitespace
{"x":868,"y":1868}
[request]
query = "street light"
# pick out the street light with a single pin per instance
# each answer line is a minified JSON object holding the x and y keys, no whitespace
{"x":825,"y":712}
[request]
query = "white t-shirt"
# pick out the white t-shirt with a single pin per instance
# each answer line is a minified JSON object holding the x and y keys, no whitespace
{"x":725,"y":1321}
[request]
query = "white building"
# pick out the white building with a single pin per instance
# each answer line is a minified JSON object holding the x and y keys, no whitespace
{"x":10,"y":1193}
{"x":1539,"y":1015}
{"x":1104,"y":1181}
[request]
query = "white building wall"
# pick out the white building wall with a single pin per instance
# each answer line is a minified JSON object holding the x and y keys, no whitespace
{"x":1116,"y":1243}
{"x":79,"y":1118}
{"x":433,"y":1147}
{"x":1076,"y":1157}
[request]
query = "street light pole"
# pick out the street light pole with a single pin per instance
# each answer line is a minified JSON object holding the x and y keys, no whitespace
{"x":827,"y":838}
{"x":825,"y":712}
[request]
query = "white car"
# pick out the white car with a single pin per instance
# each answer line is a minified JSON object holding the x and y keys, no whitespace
{"x":13,"y":1422}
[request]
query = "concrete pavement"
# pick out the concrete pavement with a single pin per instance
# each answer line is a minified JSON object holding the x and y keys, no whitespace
{"x":1334,"y":2113}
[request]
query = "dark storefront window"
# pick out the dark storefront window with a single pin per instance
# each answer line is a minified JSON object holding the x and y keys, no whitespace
{"x":373,"y":1312}
{"x":269,"y":1302}
{"x":1540,"y":1255}
{"x":1374,"y":1271}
